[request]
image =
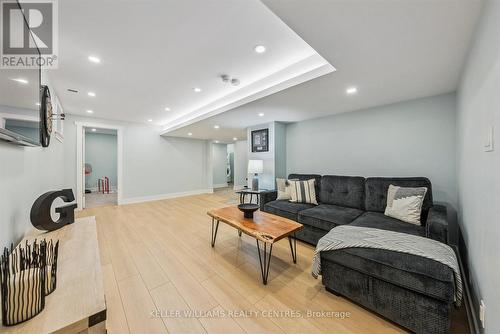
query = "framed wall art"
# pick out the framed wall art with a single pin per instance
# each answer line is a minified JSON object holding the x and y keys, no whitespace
{"x":260,"y":140}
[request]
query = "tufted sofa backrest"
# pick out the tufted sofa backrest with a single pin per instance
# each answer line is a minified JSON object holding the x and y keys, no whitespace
{"x":348,"y":191}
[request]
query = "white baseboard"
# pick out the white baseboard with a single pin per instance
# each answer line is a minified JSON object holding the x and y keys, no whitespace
{"x":220,"y":185}
{"x":164,"y":196}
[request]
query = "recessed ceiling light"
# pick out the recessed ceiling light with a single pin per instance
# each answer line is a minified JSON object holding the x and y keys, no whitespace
{"x":190,"y":133}
{"x":197,"y":89}
{"x":94,"y":59}
{"x":216,"y":126}
{"x":92,"y":94}
{"x":150,"y":120}
{"x":235,"y":138}
{"x":94,"y":130}
{"x":90,"y":111}
{"x":260,"y":49}
{"x":351,"y":90}
{"x":216,"y":141}
{"x":167,"y":109}
{"x":261,"y":114}
{"x":21,"y":80}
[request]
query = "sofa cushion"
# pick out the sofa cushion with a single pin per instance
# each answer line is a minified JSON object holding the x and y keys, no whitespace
{"x":310,"y":234}
{"x":343,"y":190}
{"x":376,"y":192}
{"x":383,"y":222}
{"x":285,"y":208}
{"x":305,"y":177}
{"x":326,"y":216}
{"x":412,"y":272}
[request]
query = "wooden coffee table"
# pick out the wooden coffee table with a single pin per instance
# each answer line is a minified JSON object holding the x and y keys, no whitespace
{"x":266,"y":228}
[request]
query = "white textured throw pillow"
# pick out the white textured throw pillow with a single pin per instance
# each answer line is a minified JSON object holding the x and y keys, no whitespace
{"x":405,"y":203}
{"x":283,"y":189}
{"x":303,"y":192}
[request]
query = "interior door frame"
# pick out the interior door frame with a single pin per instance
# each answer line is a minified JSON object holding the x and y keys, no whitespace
{"x":80,"y":159}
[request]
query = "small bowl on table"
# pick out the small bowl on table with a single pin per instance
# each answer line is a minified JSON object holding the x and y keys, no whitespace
{"x":248,"y":209}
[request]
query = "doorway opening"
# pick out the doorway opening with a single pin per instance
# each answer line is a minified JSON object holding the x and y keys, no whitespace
{"x":101,"y":167}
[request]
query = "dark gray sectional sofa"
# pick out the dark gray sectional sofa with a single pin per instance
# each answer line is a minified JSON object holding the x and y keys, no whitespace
{"x":415,"y":292}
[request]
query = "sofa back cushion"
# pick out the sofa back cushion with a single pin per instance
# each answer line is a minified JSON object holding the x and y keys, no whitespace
{"x":348,"y":191}
{"x":376,"y":192}
{"x":305,"y":177}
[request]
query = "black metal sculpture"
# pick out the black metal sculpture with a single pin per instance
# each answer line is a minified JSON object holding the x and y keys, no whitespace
{"x":40,"y":211}
{"x":23,"y":275}
{"x":52,"y":252}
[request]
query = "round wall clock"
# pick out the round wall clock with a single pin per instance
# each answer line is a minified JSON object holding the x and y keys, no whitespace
{"x":45,"y":117}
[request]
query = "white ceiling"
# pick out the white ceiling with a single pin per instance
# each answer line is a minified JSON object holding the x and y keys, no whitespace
{"x":390,"y":50}
{"x":153,"y":53}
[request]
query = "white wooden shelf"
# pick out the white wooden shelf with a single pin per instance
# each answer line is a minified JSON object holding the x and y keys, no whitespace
{"x":78,"y":304}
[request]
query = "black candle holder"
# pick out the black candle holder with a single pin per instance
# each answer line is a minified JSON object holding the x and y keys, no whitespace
{"x":27,"y":274}
{"x":52,"y":251}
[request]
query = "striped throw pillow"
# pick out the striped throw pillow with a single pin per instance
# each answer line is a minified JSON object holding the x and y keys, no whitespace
{"x":303,"y":192}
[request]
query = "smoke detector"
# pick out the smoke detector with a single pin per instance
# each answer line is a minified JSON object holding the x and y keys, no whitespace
{"x":227,"y":79}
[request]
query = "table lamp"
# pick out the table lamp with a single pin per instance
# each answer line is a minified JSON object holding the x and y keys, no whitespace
{"x":255,"y":167}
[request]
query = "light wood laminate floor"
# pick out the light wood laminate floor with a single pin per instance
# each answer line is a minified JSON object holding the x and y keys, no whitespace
{"x":157,"y":256}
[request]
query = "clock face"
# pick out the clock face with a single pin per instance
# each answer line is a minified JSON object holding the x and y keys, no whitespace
{"x":45,"y":117}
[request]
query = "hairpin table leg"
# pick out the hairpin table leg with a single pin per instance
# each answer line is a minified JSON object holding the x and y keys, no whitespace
{"x":264,"y":260}
{"x":214,"y":235}
{"x":293,"y":247}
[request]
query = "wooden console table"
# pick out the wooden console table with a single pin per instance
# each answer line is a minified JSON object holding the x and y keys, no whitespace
{"x":78,"y":304}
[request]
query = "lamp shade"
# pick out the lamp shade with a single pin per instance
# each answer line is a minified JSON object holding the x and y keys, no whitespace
{"x":255,"y":166}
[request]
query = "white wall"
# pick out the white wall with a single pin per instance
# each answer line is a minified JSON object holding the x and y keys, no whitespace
{"x":25,"y":174}
{"x":230,"y":153}
{"x":414,"y":138}
{"x":153,"y":166}
{"x":479,"y":171}
{"x":219,"y":165}
{"x":240,"y":163}
{"x":280,"y":150}
{"x":266,"y":179}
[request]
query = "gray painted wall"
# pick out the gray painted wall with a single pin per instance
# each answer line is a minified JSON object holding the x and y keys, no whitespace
{"x":479,"y":171}
{"x":240,"y":163}
{"x":101,"y":153}
{"x":275,"y":159}
{"x":414,"y":138}
{"x":219,"y":165}
{"x":153,"y":166}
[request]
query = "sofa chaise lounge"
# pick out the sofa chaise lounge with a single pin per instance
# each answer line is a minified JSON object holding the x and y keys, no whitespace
{"x":415,"y":292}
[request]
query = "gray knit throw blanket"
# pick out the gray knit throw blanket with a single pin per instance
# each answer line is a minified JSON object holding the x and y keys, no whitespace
{"x":346,"y":236}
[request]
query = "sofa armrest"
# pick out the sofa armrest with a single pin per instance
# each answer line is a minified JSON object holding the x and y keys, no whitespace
{"x":266,"y":197}
{"x":437,"y":223}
